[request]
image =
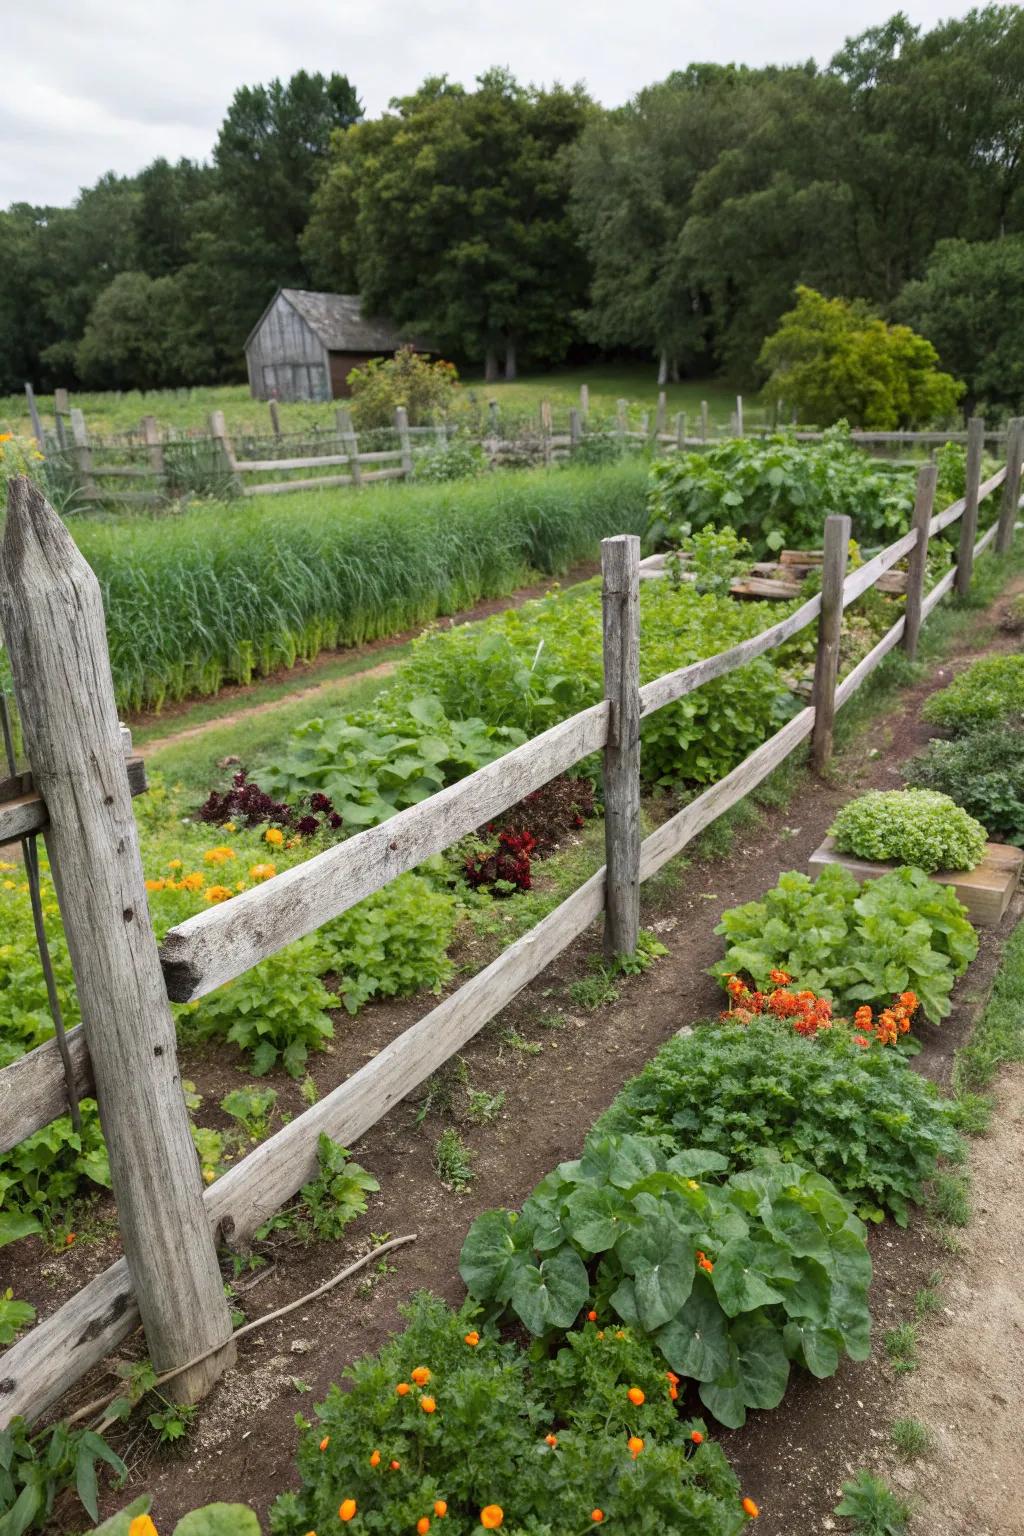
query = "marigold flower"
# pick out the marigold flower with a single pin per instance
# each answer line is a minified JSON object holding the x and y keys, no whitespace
{"x":735,"y":987}
{"x":636,"y":1396}
{"x":142,"y":1525}
{"x":863,"y":1017}
{"x":219,"y":855}
{"x":325,"y":1442}
{"x":601,"y":1334}
{"x":591,"y":1317}
{"x":634,"y":1445}
{"x":909,"y":1000}
{"x":491,"y":1516}
{"x":262,"y":871}
{"x":673,"y":1393}
{"x":597,"y":1515}
{"x":440,"y":1508}
{"x":862,"y":1041}
{"x":779,"y":977}
{"x":403,"y":1389}
{"x":375,"y":1458}
{"x":423,"y":1525}
{"x":619,"y":1334}
{"x":472,"y":1338}
{"x":551,"y":1440}
{"x":428,"y":1405}
{"x":395,"y":1466}
{"x":175,"y":864}
{"x":208,"y":1175}
{"x":193,"y":882}
{"x":274,"y":835}
{"x":750,"y":1508}
{"x":216,"y":893}
{"x":697,"y":1437}
{"x":420,"y":1375}
{"x":70,"y":1239}
{"x":347,"y":1510}
{"x":672,"y":1377}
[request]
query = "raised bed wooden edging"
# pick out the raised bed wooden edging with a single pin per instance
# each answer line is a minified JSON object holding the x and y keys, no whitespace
{"x":985,"y":891}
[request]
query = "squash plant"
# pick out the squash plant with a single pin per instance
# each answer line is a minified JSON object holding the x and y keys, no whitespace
{"x":731,"y":1279}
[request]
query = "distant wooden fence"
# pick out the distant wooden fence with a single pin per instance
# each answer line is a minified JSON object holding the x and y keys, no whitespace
{"x":125,"y":1052}
{"x":138,"y":469}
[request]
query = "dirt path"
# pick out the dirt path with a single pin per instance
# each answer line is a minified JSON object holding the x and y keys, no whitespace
{"x":967,"y":1388}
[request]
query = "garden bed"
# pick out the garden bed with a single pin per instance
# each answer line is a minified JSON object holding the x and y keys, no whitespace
{"x":244,"y":1440}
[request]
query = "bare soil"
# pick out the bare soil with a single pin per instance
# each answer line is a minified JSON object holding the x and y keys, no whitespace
{"x":792,"y":1461}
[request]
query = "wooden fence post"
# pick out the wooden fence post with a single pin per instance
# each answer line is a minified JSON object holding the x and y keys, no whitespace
{"x":275,"y":418}
{"x":1011,"y":486}
{"x":659,"y":415}
{"x":61,"y":410}
{"x":620,"y":418}
{"x":739,"y":415}
{"x":917,"y":563}
{"x":493,"y":419}
{"x":681,"y":431}
{"x":969,"y":521}
{"x":584,"y":402}
{"x":52,"y":616}
{"x":704,"y":420}
{"x":545,"y":429}
{"x":574,"y":426}
{"x":620,"y":600}
{"x":826,"y":665}
{"x":154,"y":446}
{"x":219,"y":433}
{"x":83,"y":453}
{"x":37,"y":426}
{"x":346,"y":431}
{"x":404,"y":440}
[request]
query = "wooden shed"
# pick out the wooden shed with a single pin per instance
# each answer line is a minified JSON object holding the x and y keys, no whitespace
{"x":305,"y":344}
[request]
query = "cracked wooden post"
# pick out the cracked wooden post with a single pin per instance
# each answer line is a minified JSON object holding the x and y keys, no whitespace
{"x":826,"y":665}
{"x":620,"y":570}
{"x":51,"y":612}
{"x":917,"y":564}
{"x":1011,"y":486}
{"x":969,"y":521}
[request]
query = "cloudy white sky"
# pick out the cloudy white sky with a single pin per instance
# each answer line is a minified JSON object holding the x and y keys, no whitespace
{"x":99,"y":85}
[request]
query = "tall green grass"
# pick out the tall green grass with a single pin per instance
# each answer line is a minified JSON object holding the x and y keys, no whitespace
{"x":226,"y":592}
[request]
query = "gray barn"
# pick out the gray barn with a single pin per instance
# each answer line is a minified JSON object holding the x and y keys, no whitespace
{"x":304,"y":345}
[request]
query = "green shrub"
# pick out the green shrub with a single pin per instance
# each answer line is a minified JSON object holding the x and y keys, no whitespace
{"x":427,"y":389}
{"x":211,"y":1520}
{"x":988,"y":690}
{"x":456,"y":459}
{"x":910,"y":826}
{"x":983,"y":772}
{"x":732,"y":1280}
{"x":49,"y":1172}
{"x":486,"y":1442}
{"x":854,"y":943}
{"x":762,"y":1093}
{"x":774,"y":491}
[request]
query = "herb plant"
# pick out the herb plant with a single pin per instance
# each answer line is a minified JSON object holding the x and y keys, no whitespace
{"x":991,"y":689}
{"x":910,"y":826}
{"x":855,"y":943}
{"x":733,"y":1280}
{"x":760,"y":1093}
{"x":14,"y":1316}
{"x":338,"y":1194}
{"x":35,"y":1468}
{"x":982,"y":771}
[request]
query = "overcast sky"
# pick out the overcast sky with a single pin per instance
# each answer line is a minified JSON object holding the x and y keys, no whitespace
{"x":102,"y":85}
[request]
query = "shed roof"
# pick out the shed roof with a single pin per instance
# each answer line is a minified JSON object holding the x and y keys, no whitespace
{"x":338,"y":320}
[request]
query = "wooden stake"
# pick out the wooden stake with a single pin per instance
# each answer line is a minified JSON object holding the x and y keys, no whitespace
{"x":275,"y":418}
{"x":969,"y":521}
{"x":917,"y":561}
{"x":154,"y":446}
{"x":739,"y":415}
{"x":52,"y":616}
{"x":620,"y":569}
{"x":350,"y":442}
{"x":704,"y":420}
{"x":219,"y":433}
{"x":574,"y":426}
{"x":826,"y":666}
{"x":33,"y":410}
{"x":681,"y":431}
{"x":83,"y":453}
{"x":404,"y":440}
{"x":1011,"y":486}
{"x":584,"y":401}
{"x":621,"y":407}
{"x":659,"y":417}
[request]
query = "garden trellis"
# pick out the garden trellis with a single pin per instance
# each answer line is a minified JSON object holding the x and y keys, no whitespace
{"x":125,"y":1050}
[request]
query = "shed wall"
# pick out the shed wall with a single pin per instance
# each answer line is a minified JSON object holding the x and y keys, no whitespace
{"x":286,"y":358}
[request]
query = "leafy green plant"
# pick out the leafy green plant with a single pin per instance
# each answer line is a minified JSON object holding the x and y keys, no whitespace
{"x":733,"y":1280}
{"x":910,"y":826}
{"x":456,"y":459}
{"x":774,"y":491}
{"x":983,"y":771}
{"x":172,"y":1421}
{"x":855,"y":943}
{"x":338,"y":1194}
{"x":426,"y":389}
{"x":760,"y":1093}
{"x":453,"y":1161}
{"x":595,"y":991}
{"x":252,"y":1108}
{"x":990,"y":689}
{"x":211,"y":1520}
{"x":873,"y":1507}
{"x":34,"y":1469}
{"x":715,"y":558}
{"x":546,"y":1443}
{"x":49,"y":1171}
{"x":14,"y":1316}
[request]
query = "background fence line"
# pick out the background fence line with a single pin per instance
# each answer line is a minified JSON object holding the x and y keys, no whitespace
{"x":226,"y":940}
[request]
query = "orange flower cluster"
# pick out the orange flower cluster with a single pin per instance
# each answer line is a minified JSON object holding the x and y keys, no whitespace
{"x":703,"y":1262}
{"x":891,"y":1022}
{"x":808,"y":1012}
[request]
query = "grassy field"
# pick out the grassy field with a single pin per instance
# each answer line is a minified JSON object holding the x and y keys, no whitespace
{"x":184,"y":409}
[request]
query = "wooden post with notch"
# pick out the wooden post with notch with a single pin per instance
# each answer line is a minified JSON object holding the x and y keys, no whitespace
{"x":52,"y":617}
{"x":620,"y":603}
{"x":1011,"y":486}
{"x":404,"y":440}
{"x":83,"y":452}
{"x":917,"y":563}
{"x":347,"y":433}
{"x":969,"y":521}
{"x":826,"y":665}
{"x":154,"y":447}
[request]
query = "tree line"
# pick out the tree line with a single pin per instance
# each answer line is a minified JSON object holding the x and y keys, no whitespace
{"x":513,"y":223}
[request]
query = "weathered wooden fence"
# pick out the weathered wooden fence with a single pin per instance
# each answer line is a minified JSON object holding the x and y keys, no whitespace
{"x":124,"y":1050}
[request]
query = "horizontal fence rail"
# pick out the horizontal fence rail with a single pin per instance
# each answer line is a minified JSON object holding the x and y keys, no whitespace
{"x":225,"y":941}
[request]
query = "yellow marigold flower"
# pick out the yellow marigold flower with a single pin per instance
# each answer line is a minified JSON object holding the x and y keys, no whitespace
{"x":274,"y":835}
{"x":175,"y":864}
{"x":208,"y":1175}
{"x":9,"y":885}
{"x":262,"y":871}
{"x":193,"y":882}
{"x":5,"y":437}
{"x":240,"y":885}
{"x":6,"y":864}
{"x":219,"y":855}
{"x":229,"y":826}
{"x":155,"y":885}
{"x":36,"y":454}
{"x":219,"y":893}
{"x":142,"y":1525}
{"x":420,"y":1375}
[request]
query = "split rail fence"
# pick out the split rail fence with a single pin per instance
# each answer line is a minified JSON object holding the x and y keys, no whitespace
{"x":124,"y":1052}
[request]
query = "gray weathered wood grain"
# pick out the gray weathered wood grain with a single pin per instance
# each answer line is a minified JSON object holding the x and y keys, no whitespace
{"x":867,"y":574}
{"x":52,"y":618}
{"x":33,"y":1091}
{"x":1011,"y":486}
{"x":826,"y":665}
{"x":969,"y":526}
{"x":24,"y":811}
{"x":620,"y":613}
{"x":917,"y":566}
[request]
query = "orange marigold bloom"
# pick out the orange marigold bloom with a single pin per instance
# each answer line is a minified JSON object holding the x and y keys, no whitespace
{"x":909,"y":1000}
{"x":862,"y":1018}
{"x":673,"y":1378}
{"x":428,"y":1405}
{"x":218,"y":893}
{"x":421,"y":1375}
{"x":423,"y":1525}
{"x":551,"y":1440}
{"x":619,"y":1334}
{"x":440,"y":1508}
{"x":597,"y":1515}
{"x":779,"y":977}
{"x":635,"y":1445}
{"x":636,"y":1396}
{"x":591,"y":1317}
{"x":375,"y":1459}
{"x":70,"y":1239}
{"x":472,"y":1338}
{"x":403,"y":1389}
{"x":395,"y":1466}
{"x":325,"y":1442}
{"x":491,"y":1516}
{"x":735,"y":987}
{"x":862,"y":1041}
{"x":750,"y":1508}
{"x":697,"y":1437}
{"x":347,"y":1509}
{"x":673,"y":1393}
{"x":142,"y":1525}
